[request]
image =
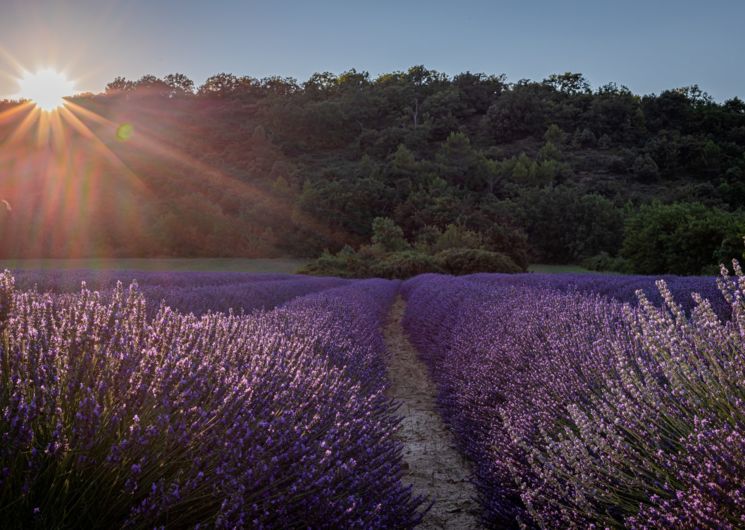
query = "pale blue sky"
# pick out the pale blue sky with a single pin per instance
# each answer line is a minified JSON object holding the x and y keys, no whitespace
{"x":647,"y":45}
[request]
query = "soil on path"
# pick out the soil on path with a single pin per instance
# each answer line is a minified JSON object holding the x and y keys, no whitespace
{"x":435,"y":468}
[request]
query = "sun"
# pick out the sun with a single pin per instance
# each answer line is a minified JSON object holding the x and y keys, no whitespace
{"x":46,"y":88}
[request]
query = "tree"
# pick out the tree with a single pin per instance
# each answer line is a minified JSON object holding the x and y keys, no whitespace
{"x":520,"y":112}
{"x":320,"y":84}
{"x":403,"y":163}
{"x":615,"y":111}
{"x":416,"y":146}
{"x":457,"y":236}
{"x":549,"y":151}
{"x":353,"y":80}
{"x":279,"y":86}
{"x":584,"y":138}
{"x":388,"y":235}
{"x":460,"y":163}
{"x":478,"y":91}
{"x":179,"y":84}
{"x":554,"y":135}
{"x":118,"y":85}
{"x":568,"y":83}
{"x":422,"y":81}
{"x":219,"y":85}
{"x":511,"y":241}
{"x":605,"y":142}
{"x":682,"y":238}
{"x":565,"y":224}
{"x":672,"y":109}
{"x":645,"y":168}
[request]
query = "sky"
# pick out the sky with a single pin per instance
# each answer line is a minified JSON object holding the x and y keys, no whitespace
{"x":649,"y":46}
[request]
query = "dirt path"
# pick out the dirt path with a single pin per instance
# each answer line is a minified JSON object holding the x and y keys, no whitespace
{"x":435,"y":468}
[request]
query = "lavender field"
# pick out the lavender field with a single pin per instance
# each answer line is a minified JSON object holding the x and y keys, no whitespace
{"x":234,"y":400}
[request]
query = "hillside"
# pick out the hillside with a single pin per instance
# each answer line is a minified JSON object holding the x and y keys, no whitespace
{"x":549,"y":171}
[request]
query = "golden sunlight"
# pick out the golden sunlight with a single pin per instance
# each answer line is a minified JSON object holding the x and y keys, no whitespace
{"x":45,"y":88}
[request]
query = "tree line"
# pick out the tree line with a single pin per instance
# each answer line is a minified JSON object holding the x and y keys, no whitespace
{"x":549,"y":171}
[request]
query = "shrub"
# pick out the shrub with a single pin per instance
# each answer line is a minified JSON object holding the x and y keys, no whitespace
{"x":457,"y":236}
{"x":549,"y":151}
{"x":471,"y":260}
{"x":584,"y":138}
{"x":509,"y":240}
{"x":345,"y":264}
{"x":554,"y":135}
{"x":605,"y":142}
{"x":388,"y":235}
{"x":427,"y":237}
{"x":645,"y":168}
{"x":604,"y":262}
{"x":682,"y":238}
{"x":405,"y":264}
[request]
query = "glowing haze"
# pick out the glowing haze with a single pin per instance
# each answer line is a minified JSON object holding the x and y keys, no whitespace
{"x":45,"y":88}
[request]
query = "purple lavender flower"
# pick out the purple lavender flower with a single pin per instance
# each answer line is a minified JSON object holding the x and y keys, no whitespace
{"x":580,"y":411}
{"x":114,"y":415}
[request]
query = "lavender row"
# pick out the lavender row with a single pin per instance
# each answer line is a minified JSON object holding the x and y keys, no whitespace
{"x":361,"y":354}
{"x":240,"y":297}
{"x":69,"y":280}
{"x":278,"y":419}
{"x":582,"y":412}
{"x":619,"y":287}
{"x":189,"y":292}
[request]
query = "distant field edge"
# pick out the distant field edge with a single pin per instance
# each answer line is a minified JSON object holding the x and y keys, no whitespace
{"x":276,"y":265}
{"x":542,"y":267}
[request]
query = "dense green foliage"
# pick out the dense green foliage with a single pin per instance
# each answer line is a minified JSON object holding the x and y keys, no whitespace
{"x":456,"y":250}
{"x":408,"y":263}
{"x":681,"y":238}
{"x":471,"y":260}
{"x":550,"y":170}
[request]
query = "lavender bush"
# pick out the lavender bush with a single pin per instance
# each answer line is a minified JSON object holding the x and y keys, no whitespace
{"x":192,"y":292}
{"x":109,"y":419}
{"x":239,"y":297}
{"x":620,"y":287}
{"x":583,"y":412}
{"x":69,"y":280}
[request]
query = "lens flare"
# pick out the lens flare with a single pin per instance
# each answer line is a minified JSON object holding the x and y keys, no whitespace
{"x":46,"y":88}
{"x":124,"y":132}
